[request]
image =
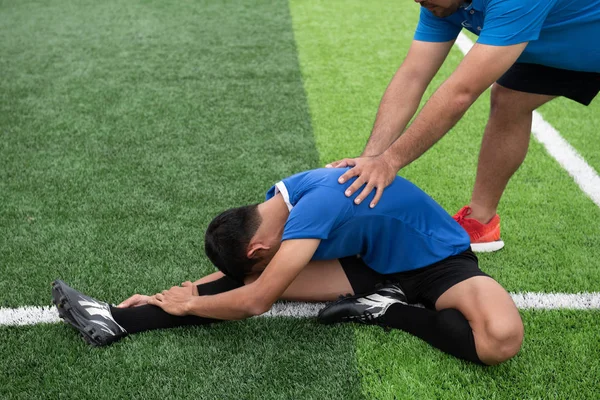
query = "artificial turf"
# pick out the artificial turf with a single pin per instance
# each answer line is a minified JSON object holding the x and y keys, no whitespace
{"x":256,"y":359}
{"x":560,"y":359}
{"x":127,"y":125}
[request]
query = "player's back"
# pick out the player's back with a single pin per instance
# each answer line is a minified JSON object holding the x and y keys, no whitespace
{"x":406,"y":230}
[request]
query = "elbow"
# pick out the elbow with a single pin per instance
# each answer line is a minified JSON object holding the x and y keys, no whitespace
{"x":461,"y":95}
{"x":463,"y":99}
{"x":258,"y":307}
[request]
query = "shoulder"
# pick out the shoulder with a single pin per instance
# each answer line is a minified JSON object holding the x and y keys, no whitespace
{"x":295,"y":187}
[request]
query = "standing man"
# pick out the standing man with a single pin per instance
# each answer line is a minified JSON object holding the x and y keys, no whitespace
{"x":530,"y":51}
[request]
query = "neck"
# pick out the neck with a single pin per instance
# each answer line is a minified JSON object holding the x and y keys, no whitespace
{"x":274,"y":214}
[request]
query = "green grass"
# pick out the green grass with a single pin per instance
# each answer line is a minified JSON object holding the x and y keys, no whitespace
{"x":578,"y":125}
{"x":258,"y":359}
{"x":125,"y":126}
{"x":559,"y":359}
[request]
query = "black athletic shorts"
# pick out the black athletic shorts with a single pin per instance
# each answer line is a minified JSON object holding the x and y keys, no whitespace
{"x":540,"y":79}
{"x":424,"y":285}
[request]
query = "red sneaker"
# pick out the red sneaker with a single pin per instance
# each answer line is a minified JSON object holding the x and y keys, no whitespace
{"x":484,"y":237}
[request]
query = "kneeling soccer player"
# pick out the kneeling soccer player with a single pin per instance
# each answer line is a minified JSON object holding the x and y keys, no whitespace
{"x":309,"y":242}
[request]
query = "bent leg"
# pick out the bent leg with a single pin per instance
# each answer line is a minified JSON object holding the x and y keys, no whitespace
{"x":319,"y":281}
{"x":447,"y":330}
{"x":492,"y":315}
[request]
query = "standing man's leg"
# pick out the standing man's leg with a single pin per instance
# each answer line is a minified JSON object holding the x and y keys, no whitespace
{"x":503,"y":148}
{"x":521,"y":90}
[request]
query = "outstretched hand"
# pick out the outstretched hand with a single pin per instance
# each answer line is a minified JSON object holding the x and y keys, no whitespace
{"x":134,"y":301}
{"x":141,"y":299}
{"x":174,"y":301}
{"x":374,"y":172}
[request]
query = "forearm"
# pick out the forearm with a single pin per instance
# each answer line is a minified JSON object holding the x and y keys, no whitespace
{"x":398,"y":105}
{"x":233,"y":305}
{"x":443,"y":110}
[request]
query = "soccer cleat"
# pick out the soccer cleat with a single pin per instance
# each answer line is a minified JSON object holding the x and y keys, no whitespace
{"x":92,"y":318}
{"x":366,"y":309}
{"x":484,"y":237}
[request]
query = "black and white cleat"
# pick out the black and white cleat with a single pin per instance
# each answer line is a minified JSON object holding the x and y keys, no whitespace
{"x":92,"y":318}
{"x":366,"y":309}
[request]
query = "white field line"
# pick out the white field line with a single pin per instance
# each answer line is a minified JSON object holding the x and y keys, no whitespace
{"x":584,"y":175}
{"x":535,"y":301}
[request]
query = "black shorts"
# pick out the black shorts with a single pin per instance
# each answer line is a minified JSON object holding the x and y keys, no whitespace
{"x":424,"y":285}
{"x":540,"y":79}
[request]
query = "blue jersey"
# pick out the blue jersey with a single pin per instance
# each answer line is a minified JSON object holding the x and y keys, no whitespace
{"x":407,"y":230}
{"x":561,"y":33}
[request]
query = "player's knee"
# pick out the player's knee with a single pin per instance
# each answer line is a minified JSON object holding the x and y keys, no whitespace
{"x":504,"y":337}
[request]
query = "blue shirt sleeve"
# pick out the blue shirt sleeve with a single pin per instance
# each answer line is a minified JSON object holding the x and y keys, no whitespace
{"x":434,"y":29}
{"x":316,"y":214}
{"x":509,"y":22}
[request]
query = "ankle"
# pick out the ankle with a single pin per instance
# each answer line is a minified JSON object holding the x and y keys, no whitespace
{"x":481,"y":214}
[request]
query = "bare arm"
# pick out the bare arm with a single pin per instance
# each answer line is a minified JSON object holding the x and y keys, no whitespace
{"x":249,"y":300}
{"x":481,"y":67}
{"x":403,"y":95}
{"x":140,"y":299}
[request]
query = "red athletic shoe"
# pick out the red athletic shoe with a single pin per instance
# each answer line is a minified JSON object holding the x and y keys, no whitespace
{"x":484,"y":237}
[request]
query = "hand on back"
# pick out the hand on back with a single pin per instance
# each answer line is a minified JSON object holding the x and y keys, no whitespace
{"x":374,"y":172}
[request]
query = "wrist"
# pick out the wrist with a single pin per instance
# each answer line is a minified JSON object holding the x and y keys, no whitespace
{"x":391,"y":160}
{"x":370,"y":153}
{"x":188,"y":306}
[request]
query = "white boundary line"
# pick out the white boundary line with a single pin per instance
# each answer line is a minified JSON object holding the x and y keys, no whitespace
{"x":530,"y":301}
{"x":584,"y":175}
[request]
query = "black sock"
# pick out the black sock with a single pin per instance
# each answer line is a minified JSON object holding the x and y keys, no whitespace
{"x":224,"y":284}
{"x":145,"y":318}
{"x":448,"y":329}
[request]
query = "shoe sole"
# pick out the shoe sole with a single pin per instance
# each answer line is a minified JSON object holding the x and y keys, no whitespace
{"x":487,"y":247}
{"x":61,"y":303}
{"x":68,"y":314}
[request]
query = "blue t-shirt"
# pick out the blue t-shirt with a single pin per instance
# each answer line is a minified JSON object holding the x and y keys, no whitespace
{"x":407,"y":230}
{"x":561,"y":33}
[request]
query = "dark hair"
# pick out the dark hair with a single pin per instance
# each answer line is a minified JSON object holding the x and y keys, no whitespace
{"x":227,"y":238}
